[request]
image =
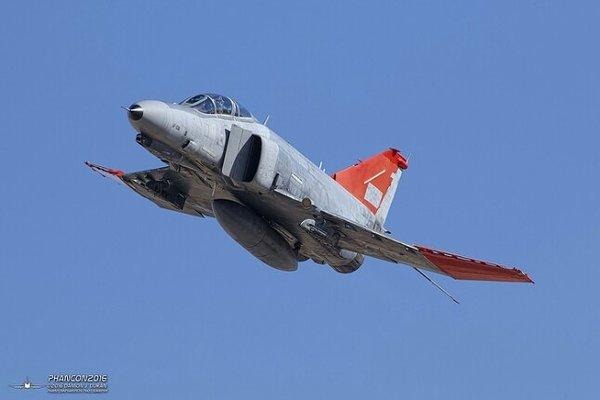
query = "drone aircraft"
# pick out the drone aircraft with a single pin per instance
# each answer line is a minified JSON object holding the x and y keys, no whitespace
{"x":283,"y":209}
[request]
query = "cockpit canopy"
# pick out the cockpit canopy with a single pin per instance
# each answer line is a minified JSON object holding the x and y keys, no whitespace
{"x":211,"y":103}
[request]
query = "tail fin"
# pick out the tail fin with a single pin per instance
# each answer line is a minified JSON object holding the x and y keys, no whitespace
{"x":374,"y":181}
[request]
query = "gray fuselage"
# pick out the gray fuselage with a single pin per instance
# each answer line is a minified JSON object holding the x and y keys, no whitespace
{"x":186,"y":138}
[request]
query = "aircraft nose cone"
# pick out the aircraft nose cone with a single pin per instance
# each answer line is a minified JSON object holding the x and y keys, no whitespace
{"x":136,"y":112}
{"x":149,"y":116}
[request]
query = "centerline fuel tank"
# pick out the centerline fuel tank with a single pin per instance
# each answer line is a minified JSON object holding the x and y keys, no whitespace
{"x":254,"y":234}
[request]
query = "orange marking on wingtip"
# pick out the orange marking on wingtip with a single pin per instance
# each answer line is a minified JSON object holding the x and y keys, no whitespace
{"x":99,"y":168}
{"x":465,"y":268}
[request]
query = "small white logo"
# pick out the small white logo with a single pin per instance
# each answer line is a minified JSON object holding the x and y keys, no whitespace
{"x":27,"y":385}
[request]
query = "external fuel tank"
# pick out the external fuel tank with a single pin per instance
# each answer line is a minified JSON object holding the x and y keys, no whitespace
{"x":254,"y":234}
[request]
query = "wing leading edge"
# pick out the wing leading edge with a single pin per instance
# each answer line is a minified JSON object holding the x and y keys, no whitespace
{"x":375,"y":244}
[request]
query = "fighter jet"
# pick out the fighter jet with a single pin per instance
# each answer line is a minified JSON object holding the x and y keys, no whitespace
{"x":283,"y":209}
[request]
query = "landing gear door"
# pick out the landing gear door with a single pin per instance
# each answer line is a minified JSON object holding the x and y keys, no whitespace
{"x":242,"y":155}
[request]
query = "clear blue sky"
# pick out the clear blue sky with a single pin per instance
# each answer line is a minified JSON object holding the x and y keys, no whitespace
{"x":498,"y":105}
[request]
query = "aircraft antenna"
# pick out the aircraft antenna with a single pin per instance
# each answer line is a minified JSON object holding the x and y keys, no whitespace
{"x":436,"y":285}
{"x":267,"y":119}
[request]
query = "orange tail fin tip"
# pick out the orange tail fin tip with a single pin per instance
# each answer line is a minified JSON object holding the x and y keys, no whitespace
{"x":373,"y":181}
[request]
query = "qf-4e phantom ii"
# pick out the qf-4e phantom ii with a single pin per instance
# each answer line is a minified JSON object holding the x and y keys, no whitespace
{"x":272,"y":200}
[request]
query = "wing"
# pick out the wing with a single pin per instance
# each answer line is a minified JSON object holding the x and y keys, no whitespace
{"x":350,"y":236}
{"x":183,"y":192}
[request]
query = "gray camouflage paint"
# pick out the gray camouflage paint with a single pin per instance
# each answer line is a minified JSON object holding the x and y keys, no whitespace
{"x":194,"y":145}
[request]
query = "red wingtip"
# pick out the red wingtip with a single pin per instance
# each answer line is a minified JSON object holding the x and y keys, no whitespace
{"x":104,"y":170}
{"x":460,"y":267}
